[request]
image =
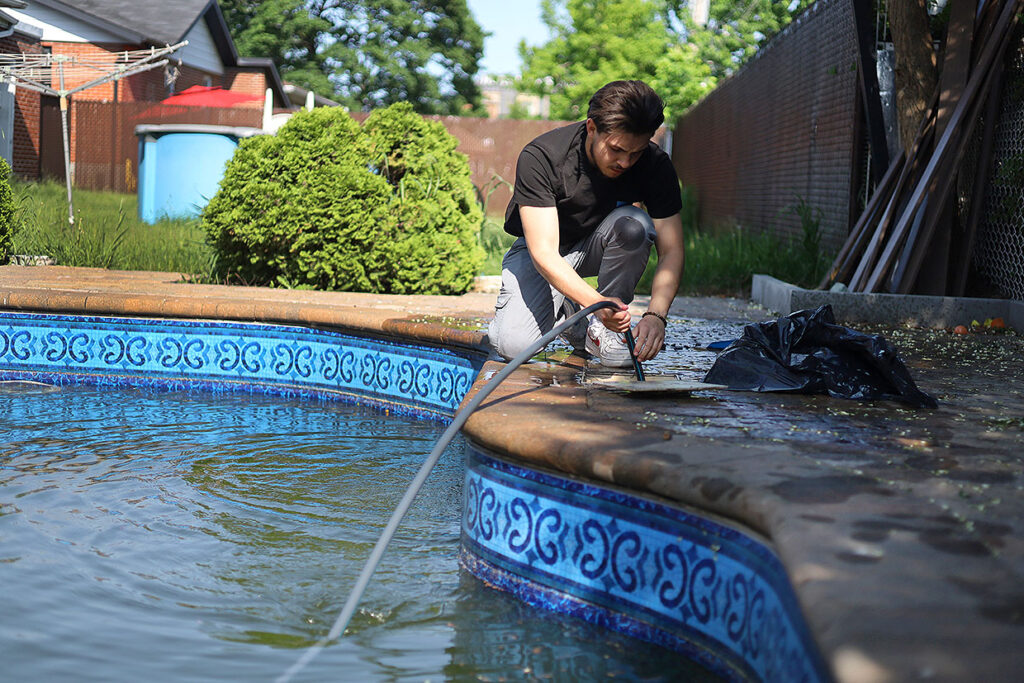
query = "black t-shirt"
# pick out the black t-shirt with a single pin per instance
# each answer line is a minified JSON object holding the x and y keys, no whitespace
{"x":554,"y":170}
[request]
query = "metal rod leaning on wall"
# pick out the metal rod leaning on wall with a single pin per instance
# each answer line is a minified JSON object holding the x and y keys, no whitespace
{"x":867,"y":77}
{"x":906,"y":267}
{"x":908,"y":175}
{"x":847,"y":258}
{"x":929,"y":180}
{"x":954,"y":72}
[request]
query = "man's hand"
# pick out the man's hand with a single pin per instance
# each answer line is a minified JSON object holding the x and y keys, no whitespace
{"x":616,"y":320}
{"x":650,"y":337}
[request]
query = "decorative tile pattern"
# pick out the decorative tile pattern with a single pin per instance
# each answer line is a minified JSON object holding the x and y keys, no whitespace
{"x":643,"y":568}
{"x":625,"y":563}
{"x":228,"y":354}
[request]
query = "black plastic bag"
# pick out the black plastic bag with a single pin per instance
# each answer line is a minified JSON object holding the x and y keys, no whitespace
{"x":806,"y":352}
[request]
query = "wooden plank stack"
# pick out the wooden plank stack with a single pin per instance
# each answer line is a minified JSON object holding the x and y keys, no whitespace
{"x":908,"y":238}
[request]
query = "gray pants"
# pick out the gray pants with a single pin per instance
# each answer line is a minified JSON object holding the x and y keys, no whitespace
{"x":528,"y":306}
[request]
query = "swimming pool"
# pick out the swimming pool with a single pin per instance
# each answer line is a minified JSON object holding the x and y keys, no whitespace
{"x":185,"y":535}
{"x":613,"y":559}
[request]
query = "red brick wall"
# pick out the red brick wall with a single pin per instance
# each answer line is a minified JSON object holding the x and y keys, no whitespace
{"x":248,"y":81}
{"x":147,"y":86}
{"x":783,"y":127}
{"x":26,"y":113}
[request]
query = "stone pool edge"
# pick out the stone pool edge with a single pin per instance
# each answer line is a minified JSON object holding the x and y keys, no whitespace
{"x":542,"y":417}
{"x":371,"y":322}
{"x":136,"y":298}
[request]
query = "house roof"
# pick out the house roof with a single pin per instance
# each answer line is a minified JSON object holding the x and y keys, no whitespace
{"x":158,"y":21}
{"x":165,"y":22}
{"x":6,"y":20}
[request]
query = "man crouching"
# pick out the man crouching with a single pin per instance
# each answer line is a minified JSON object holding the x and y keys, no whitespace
{"x":574,"y":212}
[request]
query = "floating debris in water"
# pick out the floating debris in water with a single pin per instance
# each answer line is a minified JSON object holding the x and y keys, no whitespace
{"x":23,"y":386}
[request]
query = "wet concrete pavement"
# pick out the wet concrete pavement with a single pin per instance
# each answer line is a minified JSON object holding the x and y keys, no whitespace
{"x":900,"y":528}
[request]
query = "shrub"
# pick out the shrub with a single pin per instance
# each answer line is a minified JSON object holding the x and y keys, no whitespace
{"x":387,"y":207}
{"x":7,"y":214}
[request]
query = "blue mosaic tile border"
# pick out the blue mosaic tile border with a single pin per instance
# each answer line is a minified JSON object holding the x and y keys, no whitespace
{"x":234,"y":355}
{"x":655,"y":572}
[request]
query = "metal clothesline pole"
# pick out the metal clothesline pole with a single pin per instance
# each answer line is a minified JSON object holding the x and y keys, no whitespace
{"x":67,"y":141}
{"x":35,"y":72}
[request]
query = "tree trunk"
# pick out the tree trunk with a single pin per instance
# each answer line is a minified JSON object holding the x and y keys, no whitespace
{"x":914,"y":75}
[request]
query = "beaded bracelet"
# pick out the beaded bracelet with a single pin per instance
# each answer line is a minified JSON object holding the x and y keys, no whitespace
{"x":656,"y":315}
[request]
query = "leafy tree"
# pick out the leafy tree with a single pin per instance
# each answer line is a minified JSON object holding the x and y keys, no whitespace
{"x":593,"y":42}
{"x":596,"y":41}
{"x":519,"y":111}
{"x":682,"y":78}
{"x":284,"y":30}
{"x":734,"y":32}
{"x":368,"y":54}
{"x":702,"y":55}
{"x":915,"y":74}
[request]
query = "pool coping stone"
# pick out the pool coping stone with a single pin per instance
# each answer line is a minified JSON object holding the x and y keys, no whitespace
{"x":918,"y":600}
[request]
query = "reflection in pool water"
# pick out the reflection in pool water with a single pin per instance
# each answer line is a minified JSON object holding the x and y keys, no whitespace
{"x":181,"y":535}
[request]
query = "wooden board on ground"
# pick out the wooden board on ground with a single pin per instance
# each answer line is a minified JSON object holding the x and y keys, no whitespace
{"x":656,"y":384}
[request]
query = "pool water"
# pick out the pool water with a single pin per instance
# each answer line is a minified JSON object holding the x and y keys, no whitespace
{"x":191,"y":536}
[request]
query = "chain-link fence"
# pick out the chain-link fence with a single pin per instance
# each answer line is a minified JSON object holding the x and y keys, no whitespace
{"x":998,"y":255}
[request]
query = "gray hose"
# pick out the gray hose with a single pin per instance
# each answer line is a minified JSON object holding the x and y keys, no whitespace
{"x":417,"y":483}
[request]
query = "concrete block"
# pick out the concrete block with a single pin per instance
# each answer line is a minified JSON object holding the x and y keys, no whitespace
{"x":911,"y":309}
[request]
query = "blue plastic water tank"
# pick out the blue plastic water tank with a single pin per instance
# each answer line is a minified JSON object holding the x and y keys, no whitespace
{"x":181,"y":165}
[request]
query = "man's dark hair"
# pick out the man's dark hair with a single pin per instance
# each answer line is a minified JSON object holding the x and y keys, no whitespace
{"x":627,"y":106}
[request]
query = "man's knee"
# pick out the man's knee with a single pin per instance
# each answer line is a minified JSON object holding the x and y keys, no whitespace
{"x":633,"y":228}
{"x":508,"y":341}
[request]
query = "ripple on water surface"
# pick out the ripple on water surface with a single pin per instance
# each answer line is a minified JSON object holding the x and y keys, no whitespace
{"x":179,"y":535}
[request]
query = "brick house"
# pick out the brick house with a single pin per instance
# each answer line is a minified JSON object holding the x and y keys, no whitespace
{"x":19,"y":109}
{"x":101,"y":28}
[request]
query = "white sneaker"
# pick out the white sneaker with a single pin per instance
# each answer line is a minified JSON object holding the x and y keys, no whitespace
{"x":575,"y":336}
{"x":608,"y":346}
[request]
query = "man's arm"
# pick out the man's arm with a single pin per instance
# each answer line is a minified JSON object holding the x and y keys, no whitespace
{"x":540,"y":228}
{"x":650,"y":331}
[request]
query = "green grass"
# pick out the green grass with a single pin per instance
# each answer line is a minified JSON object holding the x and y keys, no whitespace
{"x":724,"y":264}
{"x":107,"y":232}
{"x":717,"y":262}
{"x":495,"y":242}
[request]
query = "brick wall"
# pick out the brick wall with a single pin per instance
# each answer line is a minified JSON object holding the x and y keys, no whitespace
{"x":784,"y":127}
{"x":493,"y":147}
{"x":148,"y":86}
{"x":25,"y":157}
{"x":248,"y":81}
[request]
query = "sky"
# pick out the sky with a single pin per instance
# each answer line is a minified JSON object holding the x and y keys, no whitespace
{"x":509,"y":21}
